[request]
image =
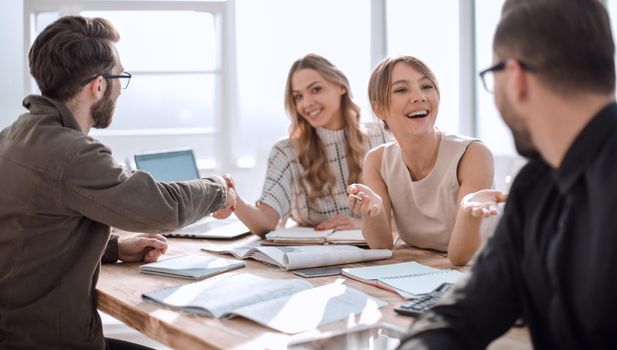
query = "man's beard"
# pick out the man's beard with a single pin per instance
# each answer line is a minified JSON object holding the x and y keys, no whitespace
{"x":522,"y":138}
{"x":102,"y":111}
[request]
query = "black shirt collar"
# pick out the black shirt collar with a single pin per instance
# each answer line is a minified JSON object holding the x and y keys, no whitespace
{"x":586,"y":146}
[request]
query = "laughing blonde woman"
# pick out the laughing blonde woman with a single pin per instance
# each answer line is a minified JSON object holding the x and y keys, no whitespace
{"x":427,"y":180}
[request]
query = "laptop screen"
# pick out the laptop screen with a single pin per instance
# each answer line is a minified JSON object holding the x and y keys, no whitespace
{"x":169,"y":166}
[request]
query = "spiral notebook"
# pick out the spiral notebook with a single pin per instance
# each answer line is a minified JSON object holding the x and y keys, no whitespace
{"x":408,"y":279}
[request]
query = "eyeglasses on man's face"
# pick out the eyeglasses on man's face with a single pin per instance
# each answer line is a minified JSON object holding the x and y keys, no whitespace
{"x":488,"y":75}
{"x":124,"y":77}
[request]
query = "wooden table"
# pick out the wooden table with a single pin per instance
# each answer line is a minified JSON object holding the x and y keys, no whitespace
{"x":120,"y":287}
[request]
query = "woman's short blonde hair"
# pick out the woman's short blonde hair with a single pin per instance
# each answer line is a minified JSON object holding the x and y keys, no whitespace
{"x":380,"y":83}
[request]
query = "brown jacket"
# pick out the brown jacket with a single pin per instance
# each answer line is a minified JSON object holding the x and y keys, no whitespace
{"x":60,"y":191}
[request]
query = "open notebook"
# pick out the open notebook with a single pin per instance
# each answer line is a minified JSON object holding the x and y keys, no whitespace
{"x":408,"y":279}
{"x":180,"y":165}
{"x":302,"y":257}
{"x":308,"y":235}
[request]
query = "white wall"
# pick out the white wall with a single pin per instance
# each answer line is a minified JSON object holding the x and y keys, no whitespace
{"x":11,"y":61}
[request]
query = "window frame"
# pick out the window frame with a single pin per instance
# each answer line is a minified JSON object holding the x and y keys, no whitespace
{"x":467,"y":59}
{"x":224,"y":71}
{"x":226,"y":85}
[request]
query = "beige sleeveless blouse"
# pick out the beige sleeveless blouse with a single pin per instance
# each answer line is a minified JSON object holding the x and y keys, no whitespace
{"x":425,"y":210}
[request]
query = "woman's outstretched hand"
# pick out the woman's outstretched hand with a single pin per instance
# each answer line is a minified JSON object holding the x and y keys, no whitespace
{"x":483,"y":204}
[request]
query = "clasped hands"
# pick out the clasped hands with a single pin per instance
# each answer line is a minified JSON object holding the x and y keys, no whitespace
{"x":230,"y":200}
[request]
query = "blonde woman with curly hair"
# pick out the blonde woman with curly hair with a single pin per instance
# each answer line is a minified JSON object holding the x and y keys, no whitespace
{"x":430,"y":182}
{"x":308,"y":173}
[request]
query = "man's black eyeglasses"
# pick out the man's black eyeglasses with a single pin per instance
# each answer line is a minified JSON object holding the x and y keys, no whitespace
{"x":488,"y":75}
{"x":125,"y":78}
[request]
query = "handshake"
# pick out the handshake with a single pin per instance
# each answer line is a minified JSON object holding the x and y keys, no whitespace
{"x":231,"y":197}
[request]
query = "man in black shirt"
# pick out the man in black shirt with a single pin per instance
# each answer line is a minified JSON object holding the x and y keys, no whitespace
{"x":553,"y":258}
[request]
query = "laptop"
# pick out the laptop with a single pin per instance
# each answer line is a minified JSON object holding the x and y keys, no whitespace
{"x":180,"y":165}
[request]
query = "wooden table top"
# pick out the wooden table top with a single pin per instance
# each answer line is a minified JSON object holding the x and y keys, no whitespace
{"x":120,"y":287}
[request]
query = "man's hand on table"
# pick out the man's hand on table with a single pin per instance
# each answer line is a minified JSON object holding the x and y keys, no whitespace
{"x":147,"y":247}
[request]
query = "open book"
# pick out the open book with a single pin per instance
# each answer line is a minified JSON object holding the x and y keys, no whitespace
{"x":408,"y":279}
{"x":191,"y":266}
{"x":301,"y":257}
{"x":308,"y":235}
{"x":287,"y":305}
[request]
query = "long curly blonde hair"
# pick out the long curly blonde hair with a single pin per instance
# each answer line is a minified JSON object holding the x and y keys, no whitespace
{"x":310,"y":151}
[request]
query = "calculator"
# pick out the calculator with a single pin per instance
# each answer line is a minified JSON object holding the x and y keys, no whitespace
{"x":418,"y":306}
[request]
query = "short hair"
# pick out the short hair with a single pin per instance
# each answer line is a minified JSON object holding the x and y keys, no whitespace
{"x":380,"y":83}
{"x":568,"y":43}
{"x":69,"y":51}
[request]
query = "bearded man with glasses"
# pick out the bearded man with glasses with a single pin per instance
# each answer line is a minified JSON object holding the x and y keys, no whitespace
{"x":552,"y":258}
{"x":62,"y":190}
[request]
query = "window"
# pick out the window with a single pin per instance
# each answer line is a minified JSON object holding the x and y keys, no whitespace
{"x":174,"y":70}
{"x":210,"y":75}
{"x":271,"y":35}
{"x":175,"y":99}
{"x":491,"y":129}
{"x":429,"y":30}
